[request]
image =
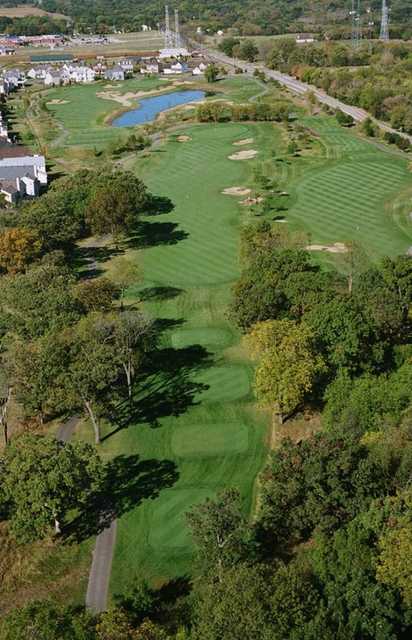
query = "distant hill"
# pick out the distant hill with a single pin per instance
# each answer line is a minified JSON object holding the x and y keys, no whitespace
{"x":249,"y":16}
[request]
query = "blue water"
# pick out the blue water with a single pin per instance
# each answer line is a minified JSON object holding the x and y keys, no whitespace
{"x":150,"y":107}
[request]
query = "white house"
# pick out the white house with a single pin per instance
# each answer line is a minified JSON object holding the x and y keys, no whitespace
{"x":305,"y":38}
{"x":199,"y":70}
{"x":22,"y":176}
{"x":82,"y":74}
{"x":176,"y":69}
{"x":127,"y":65}
{"x":114,"y":74}
{"x":145,"y":27}
{"x":53,"y":79}
{"x":151,"y":67}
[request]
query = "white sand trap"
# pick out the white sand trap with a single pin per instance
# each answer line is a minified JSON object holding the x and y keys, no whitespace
{"x":250,"y":201}
{"x":183,"y":138}
{"x":58,"y":102}
{"x":337,"y":247}
{"x":244,"y":155}
{"x":242,"y":143}
{"x":236,"y":191}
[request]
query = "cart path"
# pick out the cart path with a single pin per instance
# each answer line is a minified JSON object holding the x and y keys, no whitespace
{"x":66,"y":429}
{"x":99,"y":577}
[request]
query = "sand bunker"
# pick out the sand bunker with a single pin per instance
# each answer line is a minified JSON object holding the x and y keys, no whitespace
{"x":183,"y":138}
{"x":241,"y":143}
{"x":58,"y":102}
{"x":337,"y":247}
{"x":236,"y":191}
{"x":250,"y":201}
{"x":244,"y":155}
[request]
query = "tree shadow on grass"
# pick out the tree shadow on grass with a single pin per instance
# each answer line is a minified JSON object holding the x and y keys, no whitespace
{"x":165,"y":388}
{"x":127,"y":481}
{"x":87,"y":259}
{"x":153,"y":294}
{"x":159,"y":205}
{"x":153,"y":234}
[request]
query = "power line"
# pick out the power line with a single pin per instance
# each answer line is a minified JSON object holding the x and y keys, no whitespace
{"x":384,"y":34}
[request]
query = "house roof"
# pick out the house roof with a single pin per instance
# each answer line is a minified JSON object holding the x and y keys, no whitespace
{"x":23,"y":161}
{"x":8,"y":150}
{"x":11,"y":173}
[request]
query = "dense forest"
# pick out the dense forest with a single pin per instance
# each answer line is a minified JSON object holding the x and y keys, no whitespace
{"x":249,"y":16}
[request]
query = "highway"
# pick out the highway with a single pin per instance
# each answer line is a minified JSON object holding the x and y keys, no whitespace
{"x":300,"y":88}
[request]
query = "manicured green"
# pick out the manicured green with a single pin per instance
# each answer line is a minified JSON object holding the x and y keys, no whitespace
{"x":82,"y":114}
{"x":357,"y":192}
{"x":211,"y":430}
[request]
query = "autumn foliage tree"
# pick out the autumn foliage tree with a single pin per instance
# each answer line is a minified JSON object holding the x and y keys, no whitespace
{"x":18,"y":247}
{"x":287,"y":364}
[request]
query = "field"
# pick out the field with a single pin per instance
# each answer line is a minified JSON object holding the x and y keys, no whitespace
{"x":26,"y":10}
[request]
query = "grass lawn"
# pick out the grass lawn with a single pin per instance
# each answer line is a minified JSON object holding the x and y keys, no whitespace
{"x":195,"y":424}
{"x":81,"y":113}
{"x":356,"y":193}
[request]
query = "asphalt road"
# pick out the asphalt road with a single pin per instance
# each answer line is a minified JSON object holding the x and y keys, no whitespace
{"x":300,"y":88}
{"x":99,"y":577}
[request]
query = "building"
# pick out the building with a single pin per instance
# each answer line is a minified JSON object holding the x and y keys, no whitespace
{"x":114,"y":74}
{"x":199,"y":70}
{"x":151,"y":68}
{"x":305,"y":38}
{"x":53,"y":78}
{"x":176,"y":69}
{"x":177,"y":52}
{"x":22,"y":176}
{"x":82,"y":74}
{"x":127,"y":65}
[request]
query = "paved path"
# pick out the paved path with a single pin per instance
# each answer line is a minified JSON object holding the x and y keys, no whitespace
{"x":66,"y":429}
{"x":301,"y":88}
{"x":99,"y":578}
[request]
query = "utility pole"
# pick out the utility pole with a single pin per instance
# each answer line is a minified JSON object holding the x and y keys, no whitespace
{"x":356,"y":22}
{"x":384,"y":34}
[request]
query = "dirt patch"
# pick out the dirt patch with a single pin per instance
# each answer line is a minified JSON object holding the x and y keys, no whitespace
{"x":183,"y":138}
{"x":58,"y":101}
{"x":337,"y":247}
{"x":244,"y":155}
{"x":250,"y":201}
{"x":242,"y":143}
{"x":236,"y":191}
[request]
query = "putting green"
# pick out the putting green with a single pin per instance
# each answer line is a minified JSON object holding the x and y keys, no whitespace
{"x":210,"y":439}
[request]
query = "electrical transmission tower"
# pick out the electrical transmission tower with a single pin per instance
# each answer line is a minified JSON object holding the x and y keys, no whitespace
{"x":355,"y":14}
{"x":169,"y":40}
{"x":178,"y":39}
{"x":384,"y":34}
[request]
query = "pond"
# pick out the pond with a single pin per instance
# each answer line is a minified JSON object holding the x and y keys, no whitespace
{"x":149,"y":107}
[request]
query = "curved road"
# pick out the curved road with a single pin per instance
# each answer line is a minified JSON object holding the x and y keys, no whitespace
{"x":296,"y":86}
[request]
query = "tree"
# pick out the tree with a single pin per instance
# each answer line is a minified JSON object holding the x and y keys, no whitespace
{"x":93,"y":365}
{"x":211,"y":73}
{"x":344,"y":119}
{"x":287,"y":364}
{"x":132,"y":332}
{"x":38,"y":301}
{"x":227,"y":45}
{"x":45,"y":479}
{"x":125,"y":273}
{"x":219,"y":531}
{"x":96,"y":295}
{"x":18,"y":247}
{"x":48,"y":621}
{"x":116,"y":201}
{"x":317,"y":485}
{"x":248,"y":51}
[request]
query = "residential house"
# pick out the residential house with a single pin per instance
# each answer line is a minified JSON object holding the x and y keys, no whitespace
{"x":22,"y":177}
{"x":82,"y":74}
{"x":305,"y":38}
{"x":127,"y":65}
{"x":53,"y":78}
{"x":151,"y":68}
{"x":199,"y":70}
{"x":176,"y":69}
{"x":114,"y":74}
